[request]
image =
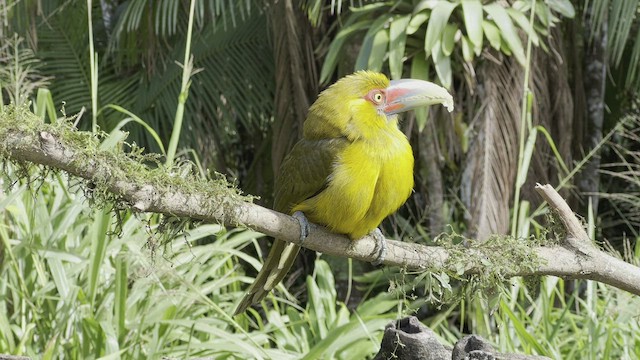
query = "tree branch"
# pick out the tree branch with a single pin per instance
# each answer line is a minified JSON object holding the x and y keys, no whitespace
{"x":23,"y":137}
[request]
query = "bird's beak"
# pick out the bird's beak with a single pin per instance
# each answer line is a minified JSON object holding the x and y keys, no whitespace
{"x":406,"y":94}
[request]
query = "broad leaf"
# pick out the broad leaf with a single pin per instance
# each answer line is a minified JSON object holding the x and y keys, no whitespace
{"x":416,"y":21}
{"x":493,"y":34}
{"x":378,"y":50}
{"x":439,"y":18}
{"x":331,"y":60}
{"x":564,"y":7}
{"x":467,"y":49}
{"x":449,"y":38}
{"x":363,"y":60}
{"x":507,"y":30}
{"x":523,"y":22}
{"x":426,"y":5}
{"x":367,"y":8}
{"x":443,"y":65}
{"x":397,"y":39}
{"x":473,"y":16}
{"x":420,"y":67}
{"x":544,"y":14}
{"x":420,"y":70}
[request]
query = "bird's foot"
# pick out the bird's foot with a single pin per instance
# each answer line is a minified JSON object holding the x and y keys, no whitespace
{"x":381,"y":244}
{"x":304,"y":225}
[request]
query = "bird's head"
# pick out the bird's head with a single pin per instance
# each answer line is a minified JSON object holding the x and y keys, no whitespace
{"x":365,"y":102}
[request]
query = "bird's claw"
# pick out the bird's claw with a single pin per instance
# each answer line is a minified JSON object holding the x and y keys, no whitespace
{"x":304,"y":225}
{"x":381,"y":244}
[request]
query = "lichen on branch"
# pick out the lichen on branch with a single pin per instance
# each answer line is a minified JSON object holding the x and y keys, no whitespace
{"x":119,"y":173}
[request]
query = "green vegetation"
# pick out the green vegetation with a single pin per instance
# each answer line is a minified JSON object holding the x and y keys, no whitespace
{"x":84,"y":277}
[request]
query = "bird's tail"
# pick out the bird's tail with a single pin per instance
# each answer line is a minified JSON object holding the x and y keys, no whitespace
{"x":281,"y":258}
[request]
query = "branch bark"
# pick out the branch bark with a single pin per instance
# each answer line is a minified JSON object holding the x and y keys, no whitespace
{"x":574,"y":257}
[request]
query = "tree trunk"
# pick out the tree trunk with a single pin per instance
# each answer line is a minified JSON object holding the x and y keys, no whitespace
{"x":296,"y":75}
{"x":429,"y":155}
{"x":595,"y":70}
{"x":490,"y":166}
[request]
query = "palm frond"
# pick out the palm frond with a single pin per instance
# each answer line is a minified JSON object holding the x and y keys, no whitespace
{"x":143,"y":28}
{"x":19,"y":71}
{"x":619,"y":19}
{"x":231,"y":95}
{"x":64,"y":49}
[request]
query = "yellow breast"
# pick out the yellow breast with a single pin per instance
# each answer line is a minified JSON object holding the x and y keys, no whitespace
{"x":370,"y":180}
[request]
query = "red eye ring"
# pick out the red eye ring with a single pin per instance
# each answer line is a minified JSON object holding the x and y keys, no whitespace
{"x":376,"y":96}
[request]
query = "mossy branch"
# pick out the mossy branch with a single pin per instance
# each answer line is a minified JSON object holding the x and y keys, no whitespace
{"x":24,"y":138}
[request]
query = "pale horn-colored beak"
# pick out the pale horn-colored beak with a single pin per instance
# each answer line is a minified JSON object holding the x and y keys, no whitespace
{"x":406,"y":94}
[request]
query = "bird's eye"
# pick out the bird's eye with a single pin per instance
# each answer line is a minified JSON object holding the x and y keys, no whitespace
{"x":376,"y":97}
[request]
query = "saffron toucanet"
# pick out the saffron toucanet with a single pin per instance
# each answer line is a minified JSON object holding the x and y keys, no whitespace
{"x":352,"y":168}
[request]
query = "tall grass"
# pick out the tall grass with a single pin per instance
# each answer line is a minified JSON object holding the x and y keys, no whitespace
{"x":80,"y":282}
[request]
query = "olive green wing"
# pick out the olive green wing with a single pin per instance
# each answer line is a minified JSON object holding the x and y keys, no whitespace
{"x":303,"y":174}
{"x":305,"y":170}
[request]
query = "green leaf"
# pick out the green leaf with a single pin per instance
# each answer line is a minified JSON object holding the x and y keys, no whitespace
{"x":540,"y":30}
{"x":45,"y":106}
{"x":335,"y":49}
{"x":397,"y":40}
{"x":315,"y":308}
{"x":444,"y":279}
{"x":133,"y":117}
{"x":461,"y":130}
{"x":59,"y":275}
{"x":553,"y":147}
{"x":378,"y":305}
{"x":343,"y":337}
{"x":521,"y":329}
{"x":632,"y":76}
{"x":543,"y":13}
{"x":363,"y":60}
{"x":473,"y":16}
{"x":368,"y":8}
{"x":493,"y":34}
{"x":529,"y":147}
{"x":120,"y":298}
{"x":111,"y":142}
{"x":420,"y":67}
{"x":504,"y":47}
{"x":420,"y":70}
{"x":523,"y":22}
{"x":443,"y":65}
{"x":98,"y":249}
{"x":564,"y":7}
{"x":439,"y":18}
{"x":426,"y":5}
{"x":378,"y":50}
{"x":449,"y":38}
{"x":416,"y":21}
{"x":507,"y":30}
{"x":521,"y":5}
{"x":467,"y":49}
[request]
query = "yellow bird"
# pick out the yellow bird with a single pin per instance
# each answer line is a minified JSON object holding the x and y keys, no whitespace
{"x":352,"y":168}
